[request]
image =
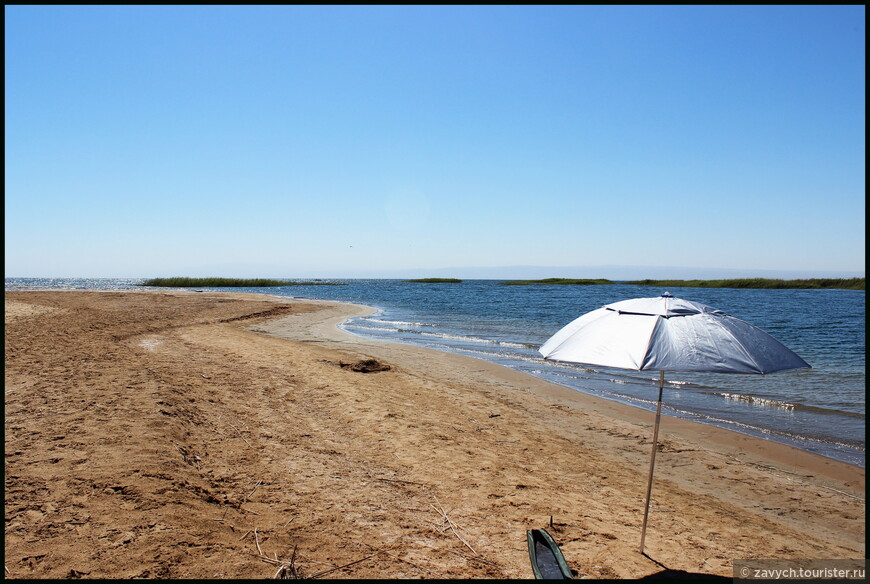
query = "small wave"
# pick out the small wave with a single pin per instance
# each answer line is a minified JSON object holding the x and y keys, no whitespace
{"x":514,"y":345}
{"x":494,"y":354}
{"x":397,"y":326}
{"x":759,"y":401}
{"x":469,"y":339}
{"x":478,"y":340}
{"x":355,"y":326}
{"x":398,"y":323}
{"x":758,"y":430}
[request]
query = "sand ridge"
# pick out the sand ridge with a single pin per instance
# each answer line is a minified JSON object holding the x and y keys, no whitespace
{"x":204,"y":435}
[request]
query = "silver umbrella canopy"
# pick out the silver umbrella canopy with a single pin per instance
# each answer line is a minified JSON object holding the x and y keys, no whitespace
{"x":668,"y":334}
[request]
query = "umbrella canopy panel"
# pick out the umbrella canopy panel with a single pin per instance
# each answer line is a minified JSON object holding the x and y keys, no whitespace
{"x":669,"y":334}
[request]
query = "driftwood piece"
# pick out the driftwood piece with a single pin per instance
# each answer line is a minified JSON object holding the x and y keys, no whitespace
{"x":452,"y":525}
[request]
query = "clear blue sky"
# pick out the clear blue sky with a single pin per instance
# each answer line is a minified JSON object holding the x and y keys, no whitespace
{"x":296,"y":141}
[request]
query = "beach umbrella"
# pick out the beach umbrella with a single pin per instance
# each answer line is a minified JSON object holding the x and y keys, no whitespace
{"x":668,"y":334}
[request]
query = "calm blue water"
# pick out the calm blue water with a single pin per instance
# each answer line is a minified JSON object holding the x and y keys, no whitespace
{"x":820,"y":409}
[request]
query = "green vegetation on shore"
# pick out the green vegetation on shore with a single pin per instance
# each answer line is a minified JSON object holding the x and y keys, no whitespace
{"x":556,"y":281}
{"x":228,"y":283}
{"x":769,"y":283}
{"x":809,"y":283}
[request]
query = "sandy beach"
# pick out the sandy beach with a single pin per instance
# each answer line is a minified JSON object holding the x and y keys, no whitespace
{"x":203,"y":435}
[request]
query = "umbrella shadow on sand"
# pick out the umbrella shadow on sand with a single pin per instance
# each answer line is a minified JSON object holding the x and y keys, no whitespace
{"x":683,"y":575}
{"x":668,"y":574}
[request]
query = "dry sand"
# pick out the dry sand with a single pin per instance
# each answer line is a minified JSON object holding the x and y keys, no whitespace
{"x":202,"y":435}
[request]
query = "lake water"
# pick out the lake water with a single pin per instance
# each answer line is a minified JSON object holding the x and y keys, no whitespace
{"x":820,"y":409}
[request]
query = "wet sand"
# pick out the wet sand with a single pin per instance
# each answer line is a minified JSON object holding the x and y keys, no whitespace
{"x":203,"y":435}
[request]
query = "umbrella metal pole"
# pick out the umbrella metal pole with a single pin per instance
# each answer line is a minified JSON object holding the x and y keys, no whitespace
{"x":652,"y":458}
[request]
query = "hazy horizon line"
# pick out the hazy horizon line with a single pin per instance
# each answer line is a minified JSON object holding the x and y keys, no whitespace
{"x":610,"y":272}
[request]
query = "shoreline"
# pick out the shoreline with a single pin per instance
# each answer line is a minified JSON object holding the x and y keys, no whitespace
{"x":778,"y":451}
{"x":796,"y":408}
{"x":328,"y":331}
{"x":183,"y":435}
